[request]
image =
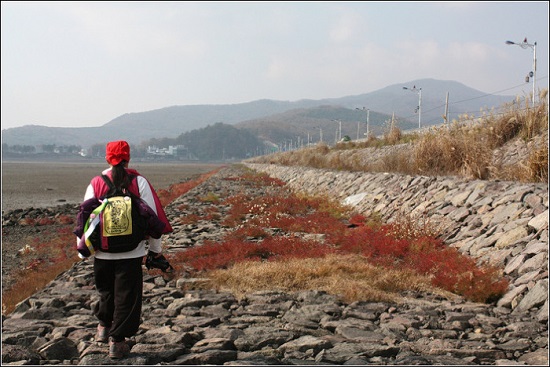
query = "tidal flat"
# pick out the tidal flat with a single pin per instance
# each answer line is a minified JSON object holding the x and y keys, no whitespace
{"x":45,"y":184}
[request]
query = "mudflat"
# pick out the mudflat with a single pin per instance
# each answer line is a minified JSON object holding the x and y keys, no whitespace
{"x":44,"y":184}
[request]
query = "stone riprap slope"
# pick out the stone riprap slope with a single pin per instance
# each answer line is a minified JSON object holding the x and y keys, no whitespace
{"x":184,"y":326}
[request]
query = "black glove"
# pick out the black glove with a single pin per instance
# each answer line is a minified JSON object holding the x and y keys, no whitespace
{"x":158,"y":262}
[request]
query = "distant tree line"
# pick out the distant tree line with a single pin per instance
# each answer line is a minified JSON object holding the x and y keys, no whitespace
{"x":45,"y":148}
{"x":214,"y":142}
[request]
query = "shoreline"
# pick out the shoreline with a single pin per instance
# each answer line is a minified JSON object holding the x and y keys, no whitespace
{"x":43,"y":184}
{"x":53,"y":158}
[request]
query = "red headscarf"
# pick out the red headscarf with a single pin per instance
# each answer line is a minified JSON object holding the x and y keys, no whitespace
{"x":116,"y":152}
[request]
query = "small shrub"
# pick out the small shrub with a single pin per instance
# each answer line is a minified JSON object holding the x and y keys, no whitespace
{"x":210,"y":198}
{"x":212,"y":213}
{"x":64,"y":219}
{"x":213,"y":255}
{"x":259,"y":179}
{"x":27,"y":221}
{"x":460,"y":274}
{"x":44,"y":221}
{"x":322,"y":148}
{"x":189,"y":219}
{"x":26,"y":250}
{"x":395,"y":162}
{"x":247,"y":232}
{"x":392,"y":135}
{"x":412,"y":226}
{"x":537,"y":165}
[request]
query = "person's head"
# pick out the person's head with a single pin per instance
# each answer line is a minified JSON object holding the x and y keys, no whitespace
{"x":117,"y":152}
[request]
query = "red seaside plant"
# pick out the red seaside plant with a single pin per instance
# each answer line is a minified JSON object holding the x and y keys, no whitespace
{"x":179,"y":189}
{"x":51,"y":254}
{"x":395,"y":246}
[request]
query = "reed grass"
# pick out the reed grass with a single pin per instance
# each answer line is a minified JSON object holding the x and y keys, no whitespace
{"x":468,"y":147}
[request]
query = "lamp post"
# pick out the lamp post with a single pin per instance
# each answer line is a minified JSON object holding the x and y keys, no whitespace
{"x":363,"y":109}
{"x":532,"y":74}
{"x":339,"y":129}
{"x":419,"y":107}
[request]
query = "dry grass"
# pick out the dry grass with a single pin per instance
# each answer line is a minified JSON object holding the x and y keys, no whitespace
{"x":537,"y":164}
{"x":350,"y":277}
{"x":414,"y":225}
{"x":464,"y":148}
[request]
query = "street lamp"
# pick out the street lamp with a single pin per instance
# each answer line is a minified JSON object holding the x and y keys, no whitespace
{"x":419,"y":107}
{"x":532,"y":74}
{"x":363,"y":109}
{"x":339,"y":129}
{"x":320,"y":133}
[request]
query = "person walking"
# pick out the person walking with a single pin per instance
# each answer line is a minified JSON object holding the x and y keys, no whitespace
{"x":119,"y":276}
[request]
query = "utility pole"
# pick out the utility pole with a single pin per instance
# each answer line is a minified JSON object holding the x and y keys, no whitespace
{"x":368,"y":112}
{"x":447,"y":109}
{"x":339,"y":133}
{"x":419,"y":107}
{"x":365,"y":109}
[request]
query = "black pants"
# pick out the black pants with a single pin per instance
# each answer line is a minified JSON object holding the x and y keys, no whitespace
{"x":120,"y":287}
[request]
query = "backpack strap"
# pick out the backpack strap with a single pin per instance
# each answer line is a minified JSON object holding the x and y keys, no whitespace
{"x":109,"y":183}
{"x":113,"y":188}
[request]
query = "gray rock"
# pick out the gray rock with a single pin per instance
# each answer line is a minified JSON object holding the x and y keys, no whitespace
{"x":535,"y":297}
{"x":186,"y":326}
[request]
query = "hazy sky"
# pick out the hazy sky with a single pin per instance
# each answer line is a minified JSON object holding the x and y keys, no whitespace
{"x":75,"y":64}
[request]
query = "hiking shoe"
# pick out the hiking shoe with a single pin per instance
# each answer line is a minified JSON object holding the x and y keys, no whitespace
{"x":102,"y":335}
{"x":118,"y":350}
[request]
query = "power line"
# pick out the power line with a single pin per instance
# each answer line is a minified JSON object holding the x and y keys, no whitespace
{"x":494,"y":93}
{"x":473,"y":98}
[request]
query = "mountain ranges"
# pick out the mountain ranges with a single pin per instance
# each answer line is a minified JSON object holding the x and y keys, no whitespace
{"x":280,"y":123}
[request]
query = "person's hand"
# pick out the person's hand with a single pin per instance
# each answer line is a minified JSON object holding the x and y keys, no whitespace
{"x":158,"y":261}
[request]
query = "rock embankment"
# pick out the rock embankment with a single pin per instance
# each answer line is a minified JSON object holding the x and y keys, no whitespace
{"x":501,"y":223}
{"x":186,"y":326}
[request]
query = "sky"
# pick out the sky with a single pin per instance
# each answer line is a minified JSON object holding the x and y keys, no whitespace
{"x":82,"y":64}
